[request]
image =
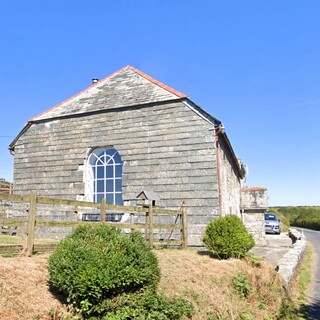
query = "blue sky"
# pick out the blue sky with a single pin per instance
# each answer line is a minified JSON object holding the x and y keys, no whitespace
{"x":255,"y":65}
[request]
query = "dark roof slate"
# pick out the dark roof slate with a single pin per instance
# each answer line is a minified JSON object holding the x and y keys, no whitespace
{"x":124,"y":88}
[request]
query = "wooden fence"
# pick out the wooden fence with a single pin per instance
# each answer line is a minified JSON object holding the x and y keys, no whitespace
{"x":150,"y":228}
{"x":5,"y":187}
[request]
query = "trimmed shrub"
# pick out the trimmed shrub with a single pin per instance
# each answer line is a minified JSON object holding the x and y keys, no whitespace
{"x":97,"y":264}
{"x":105,"y":274}
{"x":227,"y":237}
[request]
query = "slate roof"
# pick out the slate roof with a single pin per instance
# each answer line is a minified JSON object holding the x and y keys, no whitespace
{"x":124,"y":88}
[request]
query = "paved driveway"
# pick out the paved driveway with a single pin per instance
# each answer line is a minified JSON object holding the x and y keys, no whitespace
{"x":277,"y":246}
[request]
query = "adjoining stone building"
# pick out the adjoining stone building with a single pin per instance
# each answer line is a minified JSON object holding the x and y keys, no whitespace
{"x":254,"y":203}
{"x":125,"y":134}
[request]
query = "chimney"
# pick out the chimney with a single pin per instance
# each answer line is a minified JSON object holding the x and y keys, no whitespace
{"x":94,"y":80}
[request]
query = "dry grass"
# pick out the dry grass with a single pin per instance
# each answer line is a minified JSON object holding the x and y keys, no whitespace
{"x":207,"y":284}
{"x":22,"y":240}
{"x":24,"y":292}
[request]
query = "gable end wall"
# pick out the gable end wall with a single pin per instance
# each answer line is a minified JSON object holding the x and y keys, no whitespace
{"x":166,"y":148}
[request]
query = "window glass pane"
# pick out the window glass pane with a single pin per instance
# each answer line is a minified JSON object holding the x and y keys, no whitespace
{"x":100,"y":186}
{"x":109,"y":185}
{"x":90,"y":217}
{"x":118,"y":198}
{"x":99,"y":152}
{"x":102,"y":159}
{"x":109,"y":161}
{"x":100,"y":172}
{"x":118,"y":170}
{"x":110,"y":217}
{"x":118,"y":185}
{"x":92,"y":159}
{"x":109,"y":171}
{"x":110,"y":152}
{"x":99,"y":161}
{"x":117,"y":158}
{"x":109,"y":198}
{"x":99,"y":197}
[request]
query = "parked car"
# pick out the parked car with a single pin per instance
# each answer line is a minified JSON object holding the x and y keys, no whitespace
{"x":272,"y":223}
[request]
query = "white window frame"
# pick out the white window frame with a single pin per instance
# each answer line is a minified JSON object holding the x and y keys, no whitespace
{"x":105,"y":175}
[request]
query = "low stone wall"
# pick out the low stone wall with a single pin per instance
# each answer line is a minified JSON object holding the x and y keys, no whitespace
{"x":290,"y":261}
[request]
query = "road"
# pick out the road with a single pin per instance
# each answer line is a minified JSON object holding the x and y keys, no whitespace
{"x":314,"y":308}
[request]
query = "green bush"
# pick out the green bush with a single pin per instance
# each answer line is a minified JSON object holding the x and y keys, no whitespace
{"x":153,"y":307}
{"x":105,"y":274}
{"x":227,"y":237}
{"x":97,"y":263}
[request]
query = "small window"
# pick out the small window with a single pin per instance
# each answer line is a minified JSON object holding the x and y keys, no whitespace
{"x":95,"y":217}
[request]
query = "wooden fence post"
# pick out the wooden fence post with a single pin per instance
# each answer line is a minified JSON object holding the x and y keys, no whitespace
{"x":184,"y":226}
{"x":132,"y":221}
{"x":31,"y":222}
{"x":103,"y":210}
{"x":146,"y":229}
{"x":150,"y":225}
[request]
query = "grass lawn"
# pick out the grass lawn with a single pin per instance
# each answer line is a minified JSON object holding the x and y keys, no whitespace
{"x":5,"y":239}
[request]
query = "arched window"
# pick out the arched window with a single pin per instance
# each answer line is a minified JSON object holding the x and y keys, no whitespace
{"x":106,"y":166}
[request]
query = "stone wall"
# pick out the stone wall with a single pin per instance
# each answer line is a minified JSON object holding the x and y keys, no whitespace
{"x":254,"y":203}
{"x":230,"y":182}
{"x":166,"y":148}
{"x":254,"y":222}
{"x":5,"y":209}
{"x":254,"y":198}
{"x":289,"y":263}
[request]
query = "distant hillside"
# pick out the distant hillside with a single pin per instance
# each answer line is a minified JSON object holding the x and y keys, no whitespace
{"x":301,"y":216}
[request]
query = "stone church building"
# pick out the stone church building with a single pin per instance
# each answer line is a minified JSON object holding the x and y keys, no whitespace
{"x":126,"y":134}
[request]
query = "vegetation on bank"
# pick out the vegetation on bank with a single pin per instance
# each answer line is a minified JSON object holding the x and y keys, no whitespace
{"x":106,"y":274}
{"x":304,"y":217}
{"x":227,"y":237}
{"x":103,"y":273}
{"x":304,"y":276}
{"x":217,"y":289}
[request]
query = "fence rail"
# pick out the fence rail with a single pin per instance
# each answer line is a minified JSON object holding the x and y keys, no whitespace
{"x":33,"y":220}
{"x":5,"y":187}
